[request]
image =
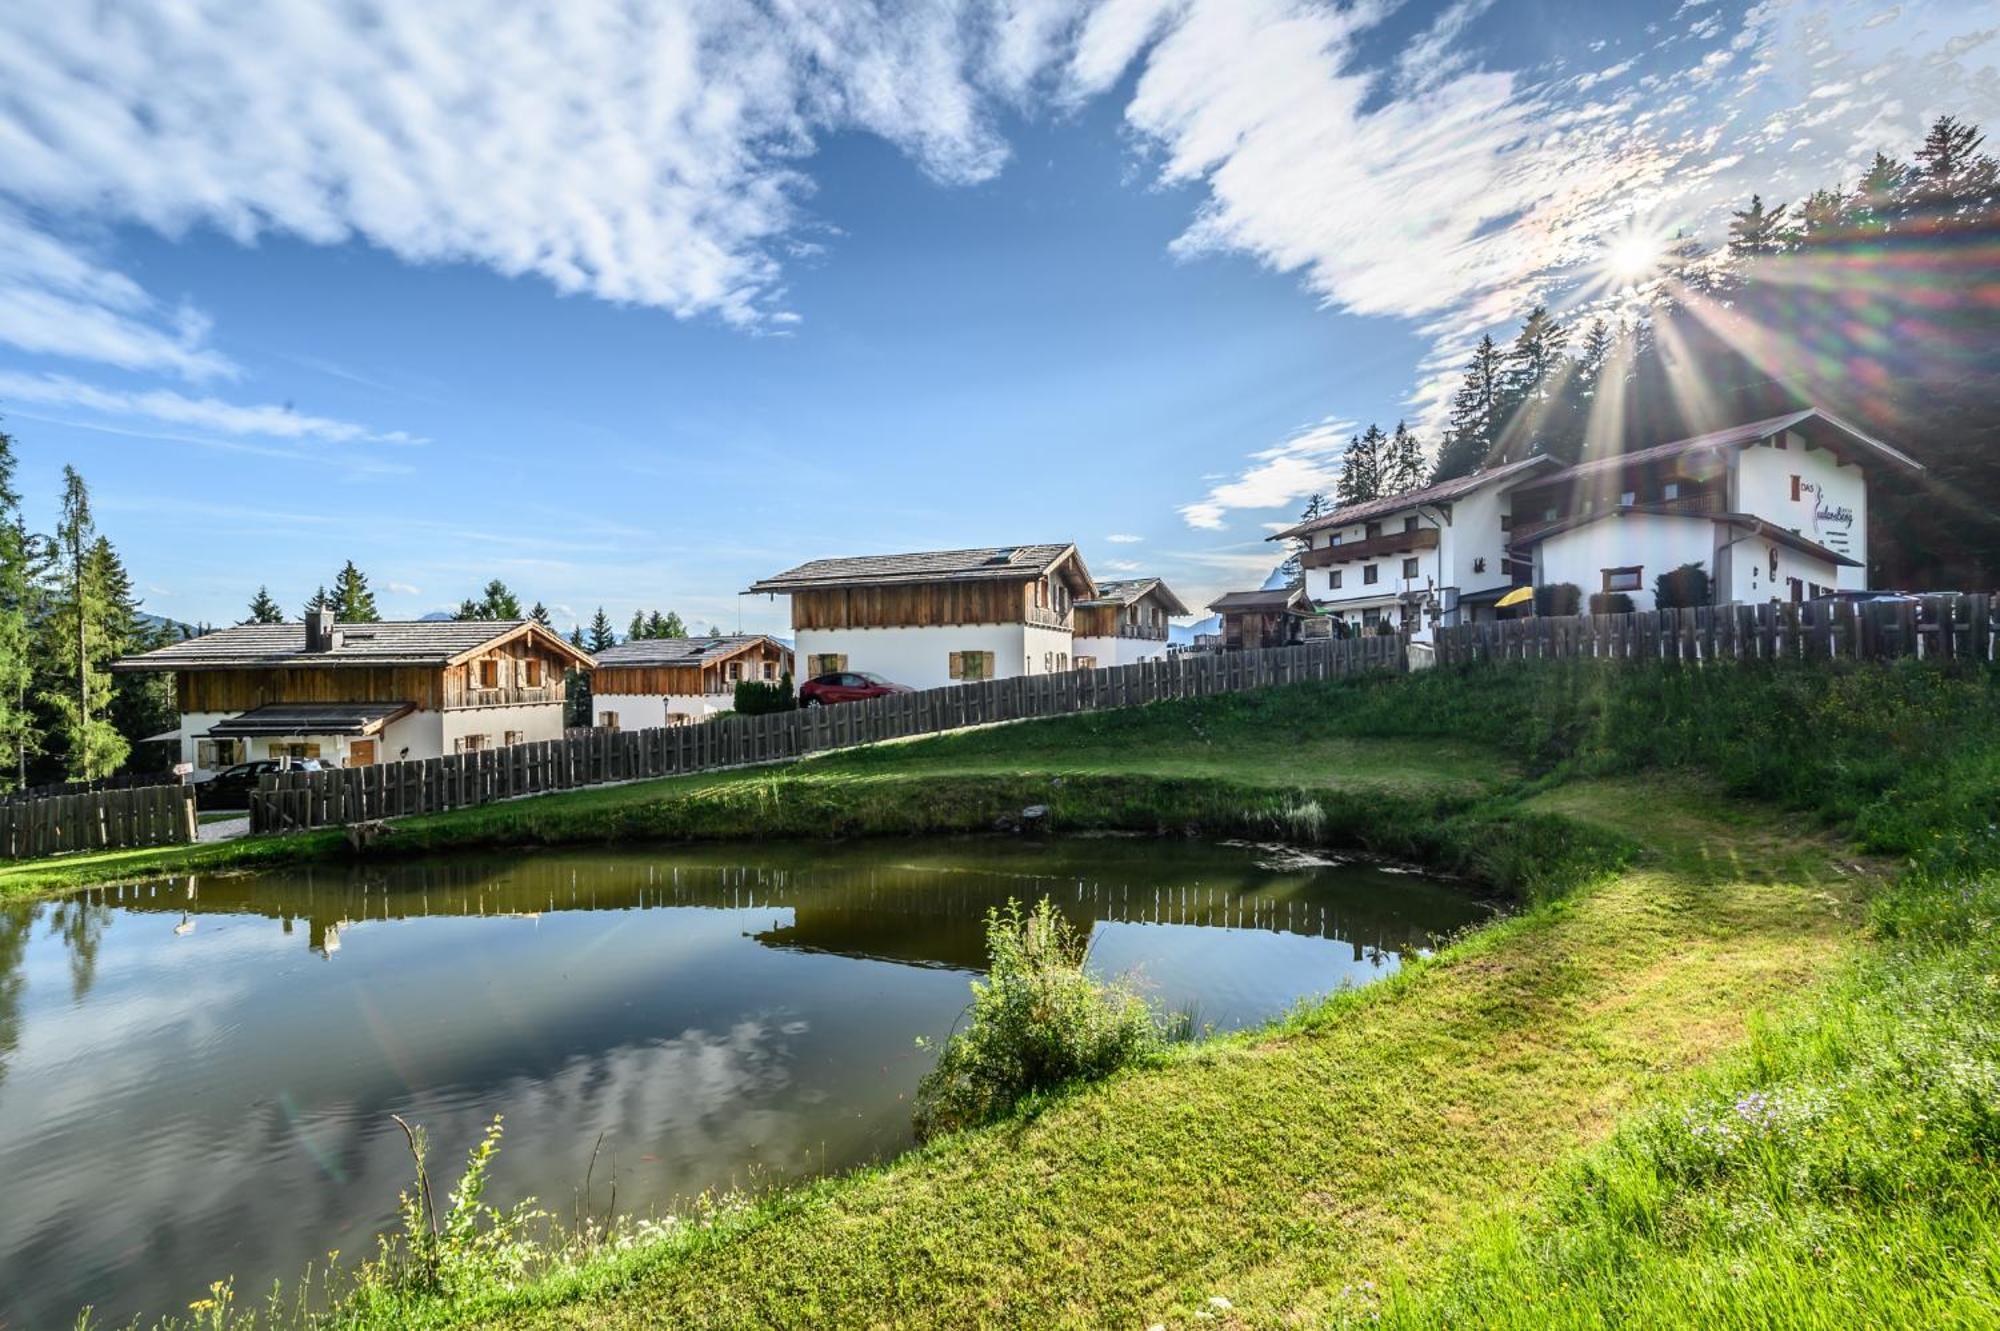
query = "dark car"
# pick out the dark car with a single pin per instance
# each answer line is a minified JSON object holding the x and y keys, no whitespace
{"x":230,"y":788}
{"x":845,"y":686}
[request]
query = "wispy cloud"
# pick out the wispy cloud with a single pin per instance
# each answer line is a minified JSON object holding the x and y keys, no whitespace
{"x":1124,"y":538}
{"x":1285,"y":473}
{"x":265,"y":421}
{"x":402,"y":589}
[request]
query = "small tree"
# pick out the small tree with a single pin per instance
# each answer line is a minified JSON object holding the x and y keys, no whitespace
{"x":1610,"y":603}
{"x":1685,"y":586}
{"x":352,"y":602}
{"x":754,"y":697}
{"x":600,"y":635}
{"x":1558,"y":598}
{"x":540,"y":614}
{"x":263,"y":609}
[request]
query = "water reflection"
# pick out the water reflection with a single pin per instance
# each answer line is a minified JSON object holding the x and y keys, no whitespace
{"x":198,"y":1073}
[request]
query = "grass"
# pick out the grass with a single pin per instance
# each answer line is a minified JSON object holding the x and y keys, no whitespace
{"x":1502,"y":1135}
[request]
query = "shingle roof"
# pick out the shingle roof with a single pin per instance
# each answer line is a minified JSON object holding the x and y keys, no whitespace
{"x":680,"y":651}
{"x":1125,"y":591}
{"x":1737,"y":436}
{"x":1442,"y":492}
{"x":1278,"y":598}
{"x":421,"y":642}
{"x":1762,"y":527}
{"x":993,"y":562}
{"x":311,"y":718}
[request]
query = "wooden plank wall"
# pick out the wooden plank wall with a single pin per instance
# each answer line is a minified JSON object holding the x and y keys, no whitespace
{"x":1938,"y":628}
{"x":295,"y":800}
{"x":98,"y":820}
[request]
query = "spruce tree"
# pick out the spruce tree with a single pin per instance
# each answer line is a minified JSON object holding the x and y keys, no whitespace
{"x":636,"y":630}
{"x":264,"y":610}
{"x":1403,"y":466}
{"x":469,"y":609}
{"x":656,"y":625}
{"x":1473,"y":427}
{"x":20,"y":558}
{"x":1292,"y":570}
{"x":540,"y":614}
{"x":76,"y":642}
{"x":352,"y":602}
{"x":1361,"y":468}
{"x":576,"y":636}
{"x":498,"y":602}
{"x":1951,"y":171}
{"x":601,"y":635}
{"x":672,"y":627}
{"x":318,"y":601}
{"x":1758,"y":232}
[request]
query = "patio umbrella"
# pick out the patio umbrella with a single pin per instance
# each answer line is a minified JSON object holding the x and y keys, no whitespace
{"x":1515,"y":597}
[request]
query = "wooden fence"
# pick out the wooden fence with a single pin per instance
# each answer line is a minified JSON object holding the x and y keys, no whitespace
{"x":98,"y":820}
{"x":294,"y":800}
{"x":1932,"y":627}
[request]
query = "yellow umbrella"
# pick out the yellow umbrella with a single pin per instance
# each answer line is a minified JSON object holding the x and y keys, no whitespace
{"x":1515,"y":597}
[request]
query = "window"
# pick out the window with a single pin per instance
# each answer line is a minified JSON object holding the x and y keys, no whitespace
{"x":1369,"y":572}
{"x":1627,"y":498}
{"x":1371,"y":616}
{"x":607,"y":720}
{"x":1409,"y":568}
{"x":735,"y":671}
{"x":489,"y":674}
{"x":1086,"y":663}
{"x":1549,"y":513}
{"x":1048,"y":663}
{"x":770,"y":670}
{"x":1372,"y":530}
{"x":971,"y":665}
{"x":1410,"y":523}
{"x":826,"y":663}
{"x":1333,"y":581}
{"x":1506,"y":522}
{"x":471,"y":743}
{"x":533,"y":671}
{"x":1062,"y":660}
{"x":1623,"y":579}
{"x":1797,"y":486}
{"x":511,"y":738}
{"x":1671,"y":490}
{"x":1479,"y":564}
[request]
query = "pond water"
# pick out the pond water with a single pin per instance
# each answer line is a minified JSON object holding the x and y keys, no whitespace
{"x":196,"y":1076}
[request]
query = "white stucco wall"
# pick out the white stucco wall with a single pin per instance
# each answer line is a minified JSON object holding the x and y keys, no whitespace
{"x":921,"y":657}
{"x":534,"y":721}
{"x":643,"y":711}
{"x":1117,"y":651}
{"x":1832,"y":507}
{"x":1747,"y":570}
{"x":1655,"y":542}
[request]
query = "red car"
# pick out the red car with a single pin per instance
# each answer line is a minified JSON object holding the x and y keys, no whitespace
{"x":845,"y":686}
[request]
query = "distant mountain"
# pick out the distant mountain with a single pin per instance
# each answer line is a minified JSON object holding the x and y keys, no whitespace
{"x":435,"y":616}
{"x":1183,"y":635}
{"x":151,"y":622}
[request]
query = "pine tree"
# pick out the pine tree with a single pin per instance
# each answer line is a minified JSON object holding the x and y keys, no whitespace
{"x":1757,"y":232}
{"x":264,"y":610}
{"x":468,"y":609}
{"x":1824,"y":212}
{"x":672,"y":627}
{"x":318,"y":601}
{"x":1879,"y":196}
{"x":20,"y":557}
{"x":141,"y":704}
{"x":656,"y":625}
{"x":352,"y":602}
{"x":1403,"y":467}
{"x":1472,"y":430}
{"x":76,"y":645}
{"x":1951,"y":171}
{"x":636,"y":630}
{"x":601,"y":635}
{"x":1361,"y":468}
{"x":1293,"y":571}
{"x":576,"y":636}
{"x":540,"y":614}
{"x":498,"y":602}
{"x":1534,"y":369}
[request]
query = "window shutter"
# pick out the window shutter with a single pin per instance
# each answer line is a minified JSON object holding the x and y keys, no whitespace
{"x":958,"y":665}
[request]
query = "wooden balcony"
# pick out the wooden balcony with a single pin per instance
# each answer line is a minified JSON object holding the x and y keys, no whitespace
{"x":506,"y":697}
{"x":1375,"y":547}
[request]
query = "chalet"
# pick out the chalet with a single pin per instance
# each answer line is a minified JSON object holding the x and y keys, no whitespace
{"x":1273,"y":618}
{"x":664,"y":681}
{"x":1125,"y":622}
{"x":1435,"y":555}
{"x":937,"y":618}
{"x":353,"y":694}
{"x":1776,"y":509}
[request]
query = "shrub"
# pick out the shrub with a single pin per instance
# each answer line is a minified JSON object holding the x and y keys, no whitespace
{"x":755,"y":698}
{"x":1037,"y":1022}
{"x":1558,"y":598}
{"x":1610,"y":603}
{"x":1684,"y":586}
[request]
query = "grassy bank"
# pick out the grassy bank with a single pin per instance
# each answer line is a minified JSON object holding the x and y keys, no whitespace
{"x":1483,"y":1138}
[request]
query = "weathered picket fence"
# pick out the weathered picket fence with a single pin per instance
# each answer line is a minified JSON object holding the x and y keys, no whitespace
{"x":293,"y":800}
{"x":1931,"y":627}
{"x":97,"y":820}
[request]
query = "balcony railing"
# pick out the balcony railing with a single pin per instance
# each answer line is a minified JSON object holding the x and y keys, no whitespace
{"x":1374,"y":547}
{"x":508,"y":697}
{"x":1046,"y":618}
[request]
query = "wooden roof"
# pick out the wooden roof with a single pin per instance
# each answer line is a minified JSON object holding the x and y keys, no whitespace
{"x":683,"y":651}
{"x":1276,"y":599}
{"x":992,"y":563}
{"x":422,"y":642}
{"x":1820,"y":426}
{"x":317,"y":718}
{"x":1441,"y":493}
{"x":1126,"y":591}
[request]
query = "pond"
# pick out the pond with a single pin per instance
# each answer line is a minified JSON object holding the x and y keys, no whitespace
{"x":196,"y":1076}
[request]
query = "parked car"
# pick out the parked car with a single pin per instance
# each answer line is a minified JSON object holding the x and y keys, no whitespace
{"x":845,"y":686}
{"x":230,"y":788}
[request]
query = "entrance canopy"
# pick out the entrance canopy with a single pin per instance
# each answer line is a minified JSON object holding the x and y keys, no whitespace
{"x":311,"y":718}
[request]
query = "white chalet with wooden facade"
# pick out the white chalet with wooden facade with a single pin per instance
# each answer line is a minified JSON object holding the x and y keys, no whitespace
{"x":652,"y":682}
{"x":1125,"y":622}
{"x":1439,"y":554}
{"x":354,"y":694}
{"x":939,"y":617}
{"x":1775,"y":509}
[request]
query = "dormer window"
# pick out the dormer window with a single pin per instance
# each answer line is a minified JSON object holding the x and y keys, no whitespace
{"x":489,"y":674}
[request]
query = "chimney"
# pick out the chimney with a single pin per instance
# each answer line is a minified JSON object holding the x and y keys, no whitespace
{"x":320,"y":636}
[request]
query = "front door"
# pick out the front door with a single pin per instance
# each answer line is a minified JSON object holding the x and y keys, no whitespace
{"x":360,"y":752}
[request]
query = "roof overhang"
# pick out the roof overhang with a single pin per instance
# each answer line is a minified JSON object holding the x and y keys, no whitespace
{"x":540,"y":635}
{"x":289,"y":718}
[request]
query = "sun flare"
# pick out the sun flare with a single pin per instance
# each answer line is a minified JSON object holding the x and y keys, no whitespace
{"x":1632,"y":257}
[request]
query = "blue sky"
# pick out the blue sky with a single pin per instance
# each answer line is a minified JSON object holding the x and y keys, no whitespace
{"x":630,"y":309}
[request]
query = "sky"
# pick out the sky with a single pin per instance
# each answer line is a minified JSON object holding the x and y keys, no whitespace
{"x":630,"y":305}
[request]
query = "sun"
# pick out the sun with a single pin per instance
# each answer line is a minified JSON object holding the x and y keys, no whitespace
{"x":1632,"y":257}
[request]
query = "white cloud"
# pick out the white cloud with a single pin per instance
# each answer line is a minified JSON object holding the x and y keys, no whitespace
{"x":166,"y":407}
{"x":402,"y":589}
{"x":1121,"y":566}
{"x":1124,"y":538}
{"x":1307,"y":462}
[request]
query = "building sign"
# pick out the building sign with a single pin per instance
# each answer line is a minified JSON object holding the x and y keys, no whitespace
{"x":1827,"y":516}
